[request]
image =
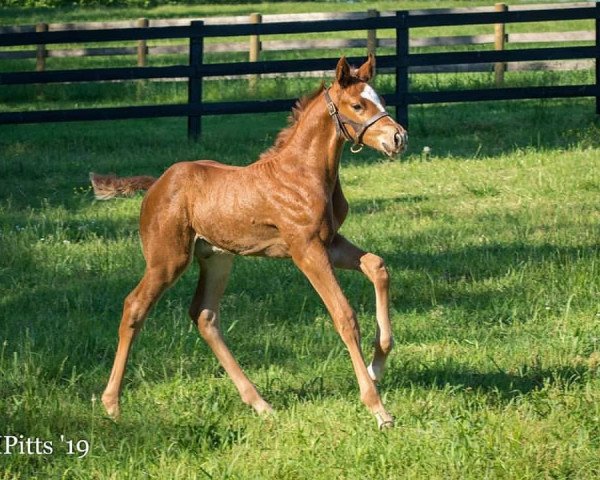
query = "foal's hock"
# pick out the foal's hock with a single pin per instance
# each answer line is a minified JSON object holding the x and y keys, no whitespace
{"x":287,"y":204}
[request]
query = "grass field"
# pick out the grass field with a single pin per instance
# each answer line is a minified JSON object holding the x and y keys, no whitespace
{"x":492,"y":245}
{"x":493,"y":249}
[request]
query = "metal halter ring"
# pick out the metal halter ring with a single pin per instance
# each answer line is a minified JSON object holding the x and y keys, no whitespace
{"x":356,"y":147}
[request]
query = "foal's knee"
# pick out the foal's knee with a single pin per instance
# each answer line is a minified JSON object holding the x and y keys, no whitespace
{"x":376,"y":269}
{"x":133,"y":316}
{"x":208,"y":324}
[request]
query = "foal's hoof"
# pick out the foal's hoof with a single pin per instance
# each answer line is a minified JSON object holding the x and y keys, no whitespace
{"x":384,"y":420}
{"x":263,"y":408}
{"x":112,"y":408}
{"x":387,"y":424}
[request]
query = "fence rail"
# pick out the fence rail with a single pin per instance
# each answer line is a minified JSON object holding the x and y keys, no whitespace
{"x":275,"y":18}
{"x":400,"y":63}
{"x":308,"y":44}
{"x":141,"y":52}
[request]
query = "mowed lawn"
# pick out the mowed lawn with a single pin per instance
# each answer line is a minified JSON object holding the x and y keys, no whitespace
{"x":492,"y":244}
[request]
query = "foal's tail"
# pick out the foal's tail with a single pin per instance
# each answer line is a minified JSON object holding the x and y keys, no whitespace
{"x":110,"y":186}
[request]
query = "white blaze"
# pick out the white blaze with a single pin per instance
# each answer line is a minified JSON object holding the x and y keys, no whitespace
{"x":369,"y":94}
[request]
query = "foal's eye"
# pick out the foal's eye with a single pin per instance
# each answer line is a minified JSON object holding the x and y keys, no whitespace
{"x":357,"y":107}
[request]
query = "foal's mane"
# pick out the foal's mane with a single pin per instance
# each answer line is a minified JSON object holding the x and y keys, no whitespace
{"x":293,"y":120}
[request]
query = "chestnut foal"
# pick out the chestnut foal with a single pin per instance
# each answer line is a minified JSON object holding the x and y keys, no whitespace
{"x":287,"y":204}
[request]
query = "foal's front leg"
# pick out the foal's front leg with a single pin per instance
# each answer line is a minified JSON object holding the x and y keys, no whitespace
{"x":346,"y":255}
{"x":313,"y":260}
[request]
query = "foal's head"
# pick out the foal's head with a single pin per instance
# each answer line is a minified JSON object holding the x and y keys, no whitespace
{"x":362,"y":112}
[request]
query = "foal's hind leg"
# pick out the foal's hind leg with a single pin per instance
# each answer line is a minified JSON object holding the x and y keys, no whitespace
{"x":166,"y":261}
{"x":204,"y":311}
{"x":346,"y":255}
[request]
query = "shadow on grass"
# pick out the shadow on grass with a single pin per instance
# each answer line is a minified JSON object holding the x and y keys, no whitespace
{"x":502,"y":386}
{"x":498,"y":386}
{"x":275,"y":290}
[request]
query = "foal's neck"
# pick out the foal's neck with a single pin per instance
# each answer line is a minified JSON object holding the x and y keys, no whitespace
{"x":315,"y":143}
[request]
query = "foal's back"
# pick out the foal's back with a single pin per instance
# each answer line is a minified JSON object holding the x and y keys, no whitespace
{"x":231,"y":208}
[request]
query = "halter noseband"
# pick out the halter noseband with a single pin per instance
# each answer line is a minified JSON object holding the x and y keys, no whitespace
{"x":341,"y":121}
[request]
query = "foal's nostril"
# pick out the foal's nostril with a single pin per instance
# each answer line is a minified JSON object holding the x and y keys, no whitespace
{"x":397,"y":140}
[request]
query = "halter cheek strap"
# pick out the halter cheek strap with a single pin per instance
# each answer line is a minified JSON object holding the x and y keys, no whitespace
{"x":340,"y":121}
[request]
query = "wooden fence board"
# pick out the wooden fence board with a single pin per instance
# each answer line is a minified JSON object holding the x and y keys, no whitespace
{"x":488,"y":18}
{"x":284,"y":45}
{"x":400,"y":64}
{"x":276,"y":45}
{"x":17,"y":54}
{"x":522,"y":93}
{"x":274,"y":18}
{"x":91,"y":114}
{"x":79,"y":36}
{"x":93,"y":75}
{"x":522,"y":55}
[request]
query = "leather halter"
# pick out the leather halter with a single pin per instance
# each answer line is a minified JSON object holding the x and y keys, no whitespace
{"x":341,"y":121}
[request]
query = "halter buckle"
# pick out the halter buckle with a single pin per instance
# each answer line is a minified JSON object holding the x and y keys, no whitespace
{"x":331,"y":108}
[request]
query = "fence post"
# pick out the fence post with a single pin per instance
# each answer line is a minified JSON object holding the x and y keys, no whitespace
{"x":254,"y":50}
{"x":499,"y":41}
{"x":142,"y":47}
{"x":41,"y":52}
{"x":597,"y":58}
{"x":195,"y":80}
{"x":372,"y":34}
{"x":402,"y":39}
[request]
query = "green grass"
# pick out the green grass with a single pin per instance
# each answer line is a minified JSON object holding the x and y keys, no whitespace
{"x":491,"y":241}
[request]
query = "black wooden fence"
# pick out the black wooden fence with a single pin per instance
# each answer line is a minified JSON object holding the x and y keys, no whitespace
{"x":196,"y":70}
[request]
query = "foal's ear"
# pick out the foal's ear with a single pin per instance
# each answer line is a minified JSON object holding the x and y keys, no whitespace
{"x":342,"y":72}
{"x":367,"y":70}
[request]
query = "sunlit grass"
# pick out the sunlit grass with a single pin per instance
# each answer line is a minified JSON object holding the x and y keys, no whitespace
{"x":491,"y":239}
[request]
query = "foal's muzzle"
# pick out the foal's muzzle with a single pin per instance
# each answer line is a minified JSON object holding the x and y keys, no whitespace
{"x":400,"y":140}
{"x":396,"y":144}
